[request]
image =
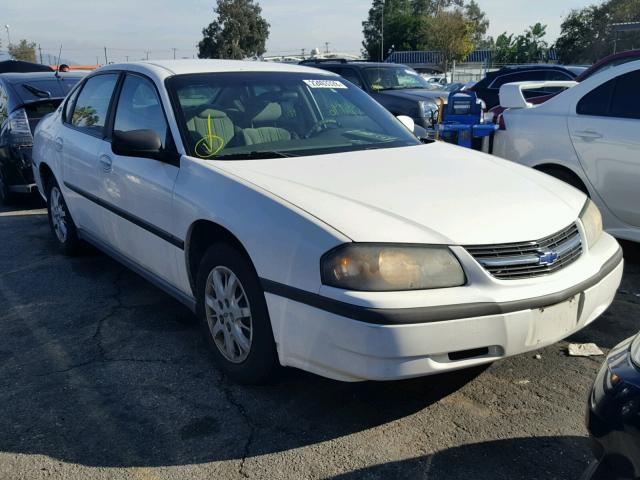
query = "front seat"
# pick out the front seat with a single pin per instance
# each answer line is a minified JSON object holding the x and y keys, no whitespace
{"x":264,"y":126}
{"x":221,"y":126}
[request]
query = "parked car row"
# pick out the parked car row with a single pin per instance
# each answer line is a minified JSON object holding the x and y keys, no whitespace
{"x":305,"y":226}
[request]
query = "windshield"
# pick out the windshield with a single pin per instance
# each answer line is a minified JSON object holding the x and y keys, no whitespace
{"x":394,"y":78}
{"x":265,"y":115}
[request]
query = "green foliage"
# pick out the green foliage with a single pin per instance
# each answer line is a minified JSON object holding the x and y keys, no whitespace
{"x":526,"y":48}
{"x":587,"y":36}
{"x":452,"y":26}
{"x":24,"y":50}
{"x":238,"y":31}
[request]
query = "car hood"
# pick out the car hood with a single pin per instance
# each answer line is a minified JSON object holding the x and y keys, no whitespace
{"x":437,"y":193}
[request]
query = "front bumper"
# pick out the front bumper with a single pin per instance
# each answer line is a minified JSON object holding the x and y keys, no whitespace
{"x":328,"y":338}
{"x":613,"y":417}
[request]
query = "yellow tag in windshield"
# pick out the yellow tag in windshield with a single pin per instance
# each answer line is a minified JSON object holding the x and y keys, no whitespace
{"x":210,"y":145}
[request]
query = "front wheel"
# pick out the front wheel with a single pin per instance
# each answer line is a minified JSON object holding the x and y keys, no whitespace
{"x":62,"y":225}
{"x":234,"y":316}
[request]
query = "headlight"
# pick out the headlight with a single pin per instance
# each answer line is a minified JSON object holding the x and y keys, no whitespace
{"x":592,"y":222}
{"x":386,"y":268}
{"x":427,"y":109}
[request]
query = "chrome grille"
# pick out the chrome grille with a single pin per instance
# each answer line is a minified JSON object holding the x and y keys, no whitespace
{"x":512,"y":261}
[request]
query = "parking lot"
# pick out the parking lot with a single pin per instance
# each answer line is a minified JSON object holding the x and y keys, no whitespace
{"x":103,"y":376}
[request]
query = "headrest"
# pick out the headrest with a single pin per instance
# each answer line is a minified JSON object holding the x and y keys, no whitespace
{"x":215,"y":114}
{"x":270,"y":113}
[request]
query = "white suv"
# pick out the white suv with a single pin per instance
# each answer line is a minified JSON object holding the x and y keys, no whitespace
{"x":307,"y":227}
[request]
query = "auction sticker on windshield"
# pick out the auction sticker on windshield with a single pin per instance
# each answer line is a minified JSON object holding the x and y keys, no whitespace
{"x":325,"y":84}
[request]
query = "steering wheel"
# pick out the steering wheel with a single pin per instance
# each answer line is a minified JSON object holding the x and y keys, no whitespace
{"x":321,"y":125}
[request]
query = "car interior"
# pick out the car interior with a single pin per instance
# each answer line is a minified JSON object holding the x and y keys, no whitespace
{"x":236,"y":116}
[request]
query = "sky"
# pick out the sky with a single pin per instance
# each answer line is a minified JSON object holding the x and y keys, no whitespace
{"x":131,"y":28}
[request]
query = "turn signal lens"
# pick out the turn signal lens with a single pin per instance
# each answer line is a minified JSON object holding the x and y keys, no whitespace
{"x":367,"y":267}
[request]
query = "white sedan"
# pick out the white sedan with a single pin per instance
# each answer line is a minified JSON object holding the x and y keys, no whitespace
{"x":588,"y":136}
{"x":307,"y":227}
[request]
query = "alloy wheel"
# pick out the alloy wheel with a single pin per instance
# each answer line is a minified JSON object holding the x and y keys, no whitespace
{"x":58,"y":215}
{"x":228,"y":314}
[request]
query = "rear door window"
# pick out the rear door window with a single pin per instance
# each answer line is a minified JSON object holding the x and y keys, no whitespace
{"x":92,"y":105}
{"x":597,"y":101}
{"x":626,"y":98}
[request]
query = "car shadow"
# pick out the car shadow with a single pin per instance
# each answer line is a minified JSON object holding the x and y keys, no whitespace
{"x":535,"y":458}
{"x":99,"y":368}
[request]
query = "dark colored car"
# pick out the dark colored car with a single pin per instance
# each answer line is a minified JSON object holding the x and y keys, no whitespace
{"x":25,"y":98}
{"x":613,"y":415}
{"x":488,"y":89}
{"x":398,"y":88}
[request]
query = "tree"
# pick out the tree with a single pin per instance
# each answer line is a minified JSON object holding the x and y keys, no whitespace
{"x":451,"y":33}
{"x":586,"y":35}
{"x":24,"y":50}
{"x":238,"y":31}
{"x":526,"y":48}
{"x":412,"y":25}
{"x":479,"y":21}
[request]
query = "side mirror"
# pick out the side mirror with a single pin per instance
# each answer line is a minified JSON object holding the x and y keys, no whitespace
{"x":407,"y":122}
{"x":138,"y":143}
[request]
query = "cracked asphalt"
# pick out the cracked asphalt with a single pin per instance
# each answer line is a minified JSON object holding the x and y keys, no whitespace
{"x":102,"y":376}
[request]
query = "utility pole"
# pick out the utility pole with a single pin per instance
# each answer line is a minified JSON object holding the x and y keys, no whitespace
{"x":127,"y":57}
{"x":326,"y":47}
{"x":106,"y":60}
{"x":97,"y":60}
{"x":174,"y":53}
{"x":147,"y":52}
{"x":382,"y":34}
{"x":40,"y":50}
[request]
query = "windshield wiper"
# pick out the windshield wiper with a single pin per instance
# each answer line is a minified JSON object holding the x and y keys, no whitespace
{"x":36,"y":91}
{"x":253,"y":155}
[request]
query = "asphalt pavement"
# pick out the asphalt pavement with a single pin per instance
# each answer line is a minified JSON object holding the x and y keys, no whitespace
{"x":102,"y":376}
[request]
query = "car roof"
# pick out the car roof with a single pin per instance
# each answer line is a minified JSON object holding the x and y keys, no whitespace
{"x":31,"y":76}
{"x":167,"y":68}
{"x":352,"y":63}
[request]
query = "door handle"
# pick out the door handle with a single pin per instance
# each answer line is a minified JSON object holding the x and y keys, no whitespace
{"x":58,"y":144}
{"x":588,"y":134}
{"x":107,"y":163}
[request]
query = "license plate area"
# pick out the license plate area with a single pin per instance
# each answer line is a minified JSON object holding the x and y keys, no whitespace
{"x":554,"y":322}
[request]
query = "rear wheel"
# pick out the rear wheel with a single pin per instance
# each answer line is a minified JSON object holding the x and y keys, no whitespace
{"x":234,"y":316}
{"x":62,"y":225}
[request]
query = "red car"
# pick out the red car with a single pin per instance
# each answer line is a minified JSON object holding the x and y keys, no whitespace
{"x":607,"y":62}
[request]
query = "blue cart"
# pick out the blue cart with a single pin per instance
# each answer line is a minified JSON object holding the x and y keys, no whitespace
{"x":463,"y":120}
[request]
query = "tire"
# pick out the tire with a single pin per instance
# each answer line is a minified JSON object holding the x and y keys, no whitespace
{"x":62,"y":226}
{"x":567,"y":177}
{"x":235,"y":320}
